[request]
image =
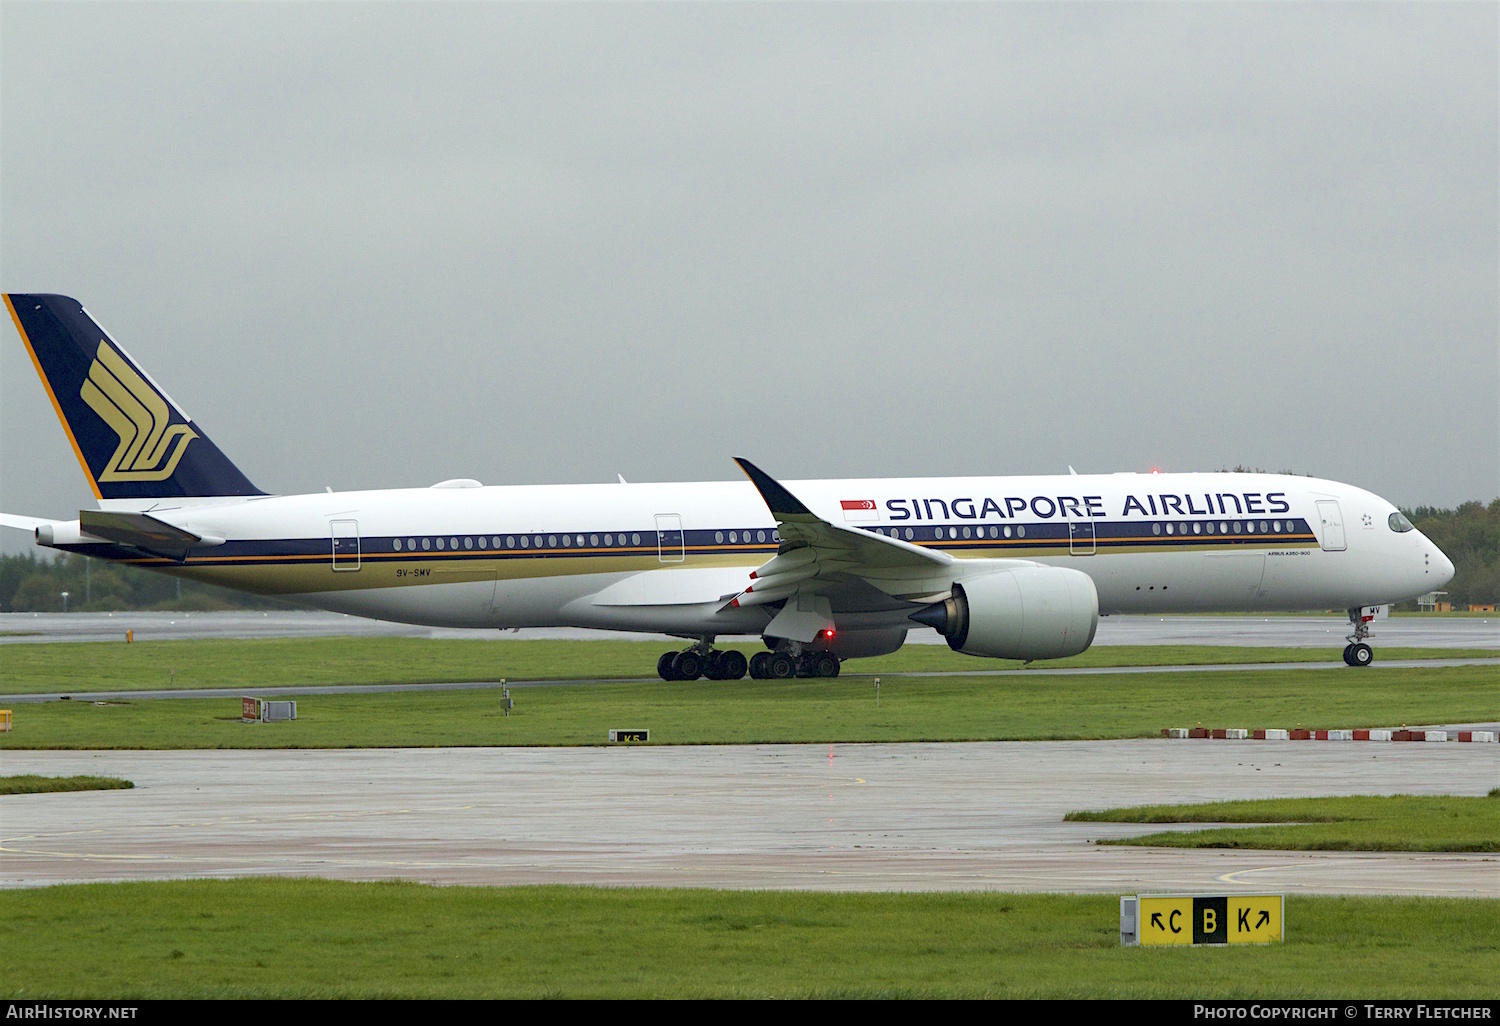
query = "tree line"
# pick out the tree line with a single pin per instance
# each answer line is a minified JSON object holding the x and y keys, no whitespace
{"x":32,"y":584}
{"x":1470,"y":535}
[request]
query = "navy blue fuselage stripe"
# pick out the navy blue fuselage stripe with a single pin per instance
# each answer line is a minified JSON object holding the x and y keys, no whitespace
{"x":1107,"y":535}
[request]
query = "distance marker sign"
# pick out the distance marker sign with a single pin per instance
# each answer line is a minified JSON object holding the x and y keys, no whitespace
{"x":1209,"y":919}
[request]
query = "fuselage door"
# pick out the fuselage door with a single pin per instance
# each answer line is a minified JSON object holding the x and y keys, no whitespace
{"x":1080,"y":537}
{"x":669,"y":546}
{"x":345,"y":544}
{"x":1332,"y":526}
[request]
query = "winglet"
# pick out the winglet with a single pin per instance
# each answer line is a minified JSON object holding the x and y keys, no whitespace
{"x":781,"y":502}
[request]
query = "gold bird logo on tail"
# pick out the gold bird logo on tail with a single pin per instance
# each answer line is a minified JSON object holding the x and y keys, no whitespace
{"x":149,"y":448}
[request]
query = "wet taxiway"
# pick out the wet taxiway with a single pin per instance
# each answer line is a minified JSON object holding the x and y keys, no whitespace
{"x":843,"y":817}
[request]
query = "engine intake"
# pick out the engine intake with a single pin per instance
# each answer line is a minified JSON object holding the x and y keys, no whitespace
{"x":1041,"y":612}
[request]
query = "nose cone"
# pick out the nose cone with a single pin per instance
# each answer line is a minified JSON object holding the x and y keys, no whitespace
{"x":1441,"y":568}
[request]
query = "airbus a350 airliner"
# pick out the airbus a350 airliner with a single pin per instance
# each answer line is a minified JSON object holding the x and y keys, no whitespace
{"x":822,"y":571}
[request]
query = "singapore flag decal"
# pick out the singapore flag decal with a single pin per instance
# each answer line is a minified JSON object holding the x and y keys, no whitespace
{"x":859,"y":509}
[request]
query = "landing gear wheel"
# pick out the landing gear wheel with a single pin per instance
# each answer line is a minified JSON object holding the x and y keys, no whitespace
{"x":825,"y":664}
{"x":780,"y":666}
{"x":1357,"y":653}
{"x":732,"y":665}
{"x":713,"y":666}
{"x":758,"y":668}
{"x":664,"y":665}
{"x":687,"y":665}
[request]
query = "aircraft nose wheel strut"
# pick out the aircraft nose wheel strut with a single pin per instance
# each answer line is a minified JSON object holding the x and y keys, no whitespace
{"x":1357,"y":652}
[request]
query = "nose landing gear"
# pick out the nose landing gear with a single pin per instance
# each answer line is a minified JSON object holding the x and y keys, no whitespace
{"x":1357,"y":653}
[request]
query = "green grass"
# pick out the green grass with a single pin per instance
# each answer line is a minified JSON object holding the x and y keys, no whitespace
{"x":326,"y":939}
{"x":82,"y":667}
{"x":1360,"y":823}
{"x":843,"y":710}
{"x":32,"y":784}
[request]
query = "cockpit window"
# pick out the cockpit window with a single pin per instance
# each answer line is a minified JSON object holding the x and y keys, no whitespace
{"x":1399,"y":523}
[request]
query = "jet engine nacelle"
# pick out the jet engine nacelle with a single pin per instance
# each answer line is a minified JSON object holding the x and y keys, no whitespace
{"x":1040,"y":612}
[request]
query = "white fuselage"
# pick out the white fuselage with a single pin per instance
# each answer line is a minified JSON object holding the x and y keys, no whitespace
{"x":668,"y":557}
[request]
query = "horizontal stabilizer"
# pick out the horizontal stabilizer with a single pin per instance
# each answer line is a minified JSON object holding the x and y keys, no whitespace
{"x":21,"y":523}
{"x":141,"y":531}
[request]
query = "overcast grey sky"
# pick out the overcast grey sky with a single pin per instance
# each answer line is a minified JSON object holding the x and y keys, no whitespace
{"x":371,"y":245}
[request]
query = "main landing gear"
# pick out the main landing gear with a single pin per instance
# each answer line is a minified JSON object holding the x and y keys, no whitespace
{"x":728,"y":664}
{"x":1357,"y":653}
{"x":781,"y":665}
{"x":715,"y":664}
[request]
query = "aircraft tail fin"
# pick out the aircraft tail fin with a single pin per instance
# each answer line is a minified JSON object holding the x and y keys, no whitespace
{"x":131,"y":439}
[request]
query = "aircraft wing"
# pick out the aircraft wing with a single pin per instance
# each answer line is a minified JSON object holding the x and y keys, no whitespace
{"x":822,"y":567}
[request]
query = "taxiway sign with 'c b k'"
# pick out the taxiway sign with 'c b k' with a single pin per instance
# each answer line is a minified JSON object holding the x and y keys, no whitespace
{"x":1210,"y":919}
